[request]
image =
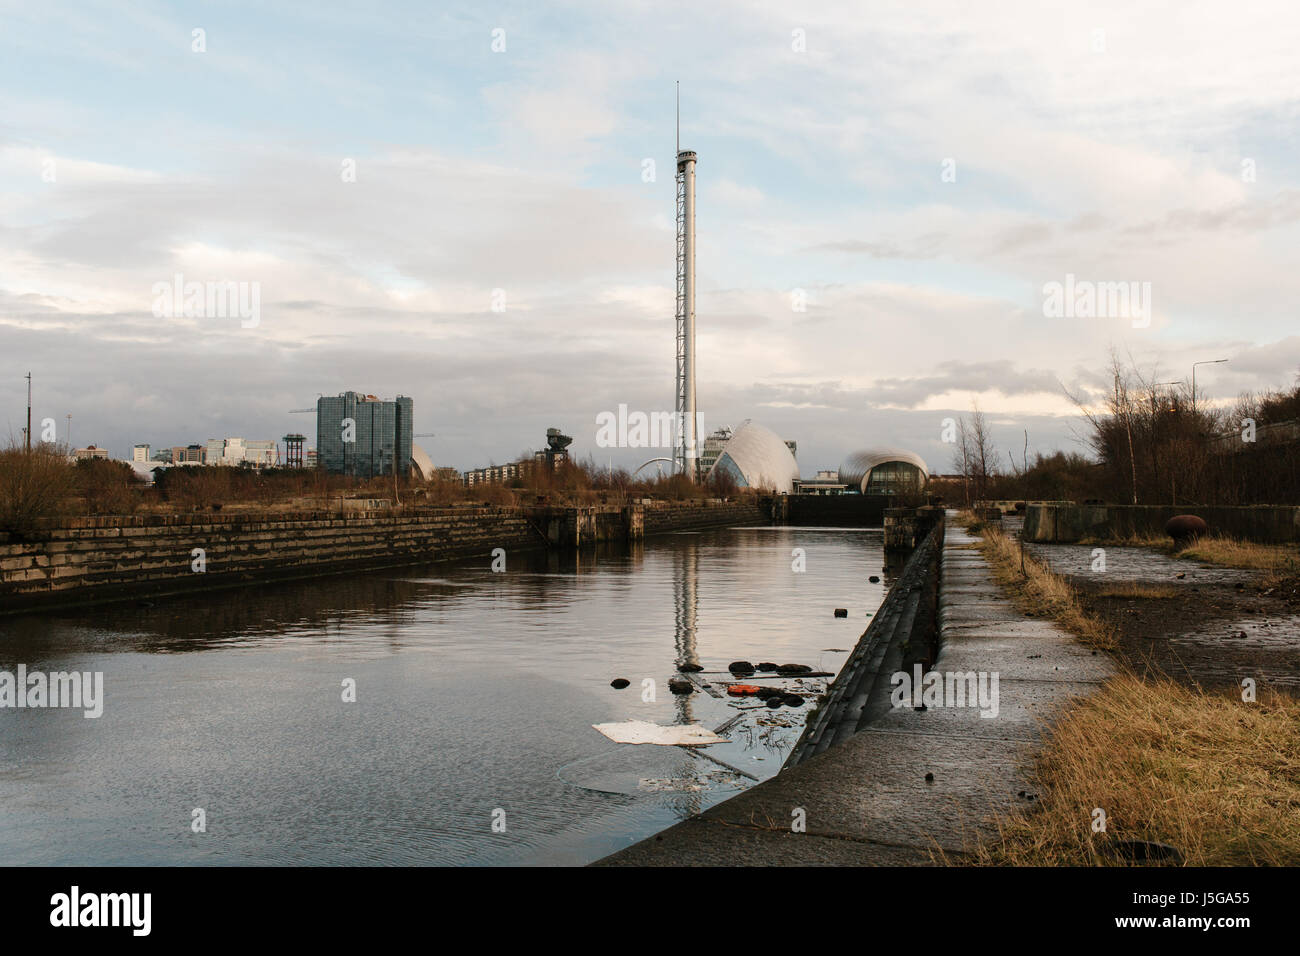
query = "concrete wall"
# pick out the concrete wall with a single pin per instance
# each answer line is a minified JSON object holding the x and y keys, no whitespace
{"x":1065,"y":522}
{"x":83,"y":560}
{"x":838,"y":511}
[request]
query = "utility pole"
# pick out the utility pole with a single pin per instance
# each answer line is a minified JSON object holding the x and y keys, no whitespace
{"x":27,"y":432}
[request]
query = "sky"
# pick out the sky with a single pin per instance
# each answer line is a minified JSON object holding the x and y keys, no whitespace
{"x":473,"y":205}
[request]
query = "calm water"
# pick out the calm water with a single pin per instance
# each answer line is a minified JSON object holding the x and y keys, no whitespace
{"x":476,"y":693}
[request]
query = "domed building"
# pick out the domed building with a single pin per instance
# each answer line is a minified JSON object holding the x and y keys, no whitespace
{"x":756,"y":457}
{"x":884,"y":471}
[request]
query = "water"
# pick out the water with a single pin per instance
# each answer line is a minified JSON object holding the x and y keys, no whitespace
{"x":476,"y":693}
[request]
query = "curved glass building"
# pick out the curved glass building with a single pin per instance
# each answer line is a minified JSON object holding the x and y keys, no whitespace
{"x":884,"y":471}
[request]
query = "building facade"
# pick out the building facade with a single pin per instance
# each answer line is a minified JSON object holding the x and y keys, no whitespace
{"x":364,"y":436}
{"x":140,"y":453}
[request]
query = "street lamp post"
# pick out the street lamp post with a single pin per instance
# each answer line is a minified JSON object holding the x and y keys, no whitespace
{"x":1194,"y":364}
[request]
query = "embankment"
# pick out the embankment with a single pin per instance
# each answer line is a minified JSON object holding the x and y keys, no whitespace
{"x":65,"y":562}
{"x":1065,"y":522}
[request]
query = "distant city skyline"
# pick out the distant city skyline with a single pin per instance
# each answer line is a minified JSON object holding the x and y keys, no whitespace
{"x":474,"y":208}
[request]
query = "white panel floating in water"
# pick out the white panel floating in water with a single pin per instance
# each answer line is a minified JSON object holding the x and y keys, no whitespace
{"x":644,"y":732}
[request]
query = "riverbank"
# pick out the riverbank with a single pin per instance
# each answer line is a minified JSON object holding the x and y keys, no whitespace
{"x":69,"y":562}
{"x":1185,"y":757}
{"x":919,"y":785}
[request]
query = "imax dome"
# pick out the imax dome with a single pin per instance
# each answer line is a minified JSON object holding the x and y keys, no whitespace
{"x":756,"y":457}
{"x":884,"y":471}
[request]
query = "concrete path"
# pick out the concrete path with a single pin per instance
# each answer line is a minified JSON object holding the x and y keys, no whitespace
{"x":867,"y":801}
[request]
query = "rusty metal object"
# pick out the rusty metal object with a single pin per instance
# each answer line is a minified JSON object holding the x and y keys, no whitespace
{"x":1185,"y":529}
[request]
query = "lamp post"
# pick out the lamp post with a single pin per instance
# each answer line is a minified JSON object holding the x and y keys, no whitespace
{"x":1194,"y":364}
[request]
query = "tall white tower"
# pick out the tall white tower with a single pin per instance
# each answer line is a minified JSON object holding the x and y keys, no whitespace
{"x":686,"y":454}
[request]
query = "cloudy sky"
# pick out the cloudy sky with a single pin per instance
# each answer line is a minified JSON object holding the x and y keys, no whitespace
{"x":916,"y":171}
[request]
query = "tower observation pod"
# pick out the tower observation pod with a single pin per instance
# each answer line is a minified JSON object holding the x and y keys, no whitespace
{"x":686,"y":454}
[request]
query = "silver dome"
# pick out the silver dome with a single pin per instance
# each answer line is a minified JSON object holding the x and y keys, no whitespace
{"x":857,"y":467}
{"x":756,"y":457}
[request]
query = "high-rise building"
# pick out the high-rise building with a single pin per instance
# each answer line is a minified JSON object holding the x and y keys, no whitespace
{"x":140,"y":453}
{"x":364,"y":436}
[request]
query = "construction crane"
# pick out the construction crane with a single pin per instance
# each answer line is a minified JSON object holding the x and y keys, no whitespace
{"x":302,"y":411}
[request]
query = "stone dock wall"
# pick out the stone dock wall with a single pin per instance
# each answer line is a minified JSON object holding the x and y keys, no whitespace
{"x":86,"y":560}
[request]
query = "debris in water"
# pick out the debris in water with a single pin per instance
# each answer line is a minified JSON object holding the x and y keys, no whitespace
{"x":618,"y":683}
{"x":787,"y":669}
{"x":679,"y":685}
{"x":645,"y":732}
{"x":841,"y":612}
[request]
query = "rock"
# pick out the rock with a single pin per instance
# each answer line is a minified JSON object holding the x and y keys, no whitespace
{"x":774,"y":702}
{"x":679,"y":685}
{"x":766,"y":666}
{"x":1185,"y":529}
{"x":786,"y":670}
{"x":618,"y":683}
{"x":689,"y":668}
{"x":764,"y":693}
{"x":841,"y":612}
{"x":741,"y":668}
{"x":929,"y":778}
{"x":792,"y":700}
{"x":874,"y":579}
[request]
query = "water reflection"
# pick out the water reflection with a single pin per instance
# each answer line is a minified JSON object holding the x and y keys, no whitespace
{"x":476,"y":691}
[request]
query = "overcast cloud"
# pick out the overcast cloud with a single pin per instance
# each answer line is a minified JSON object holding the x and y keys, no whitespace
{"x":1103,"y":140}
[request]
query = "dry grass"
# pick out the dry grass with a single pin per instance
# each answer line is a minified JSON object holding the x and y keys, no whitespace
{"x":1222,"y":551}
{"x":1138,"y":590}
{"x":1041,"y":592}
{"x":1233,"y":553}
{"x":1215,"y":777}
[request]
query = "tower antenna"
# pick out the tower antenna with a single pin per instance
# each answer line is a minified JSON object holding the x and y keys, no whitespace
{"x":686,"y":450}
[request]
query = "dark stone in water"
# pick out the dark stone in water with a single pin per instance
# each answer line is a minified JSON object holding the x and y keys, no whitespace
{"x":774,"y":702}
{"x":767,"y":666}
{"x":873,"y":579}
{"x":618,"y":683}
{"x":786,"y":669}
{"x":679,"y":685}
{"x":690,"y":668}
{"x":741,"y":667}
{"x":765,"y":692}
{"x":841,"y":612}
{"x":792,"y":700}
